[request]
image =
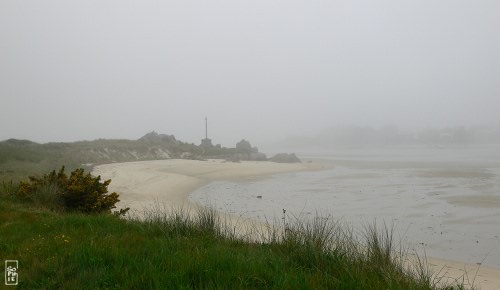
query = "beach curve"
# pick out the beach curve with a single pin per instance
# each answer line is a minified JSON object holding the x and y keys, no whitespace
{"x":143,"y":184}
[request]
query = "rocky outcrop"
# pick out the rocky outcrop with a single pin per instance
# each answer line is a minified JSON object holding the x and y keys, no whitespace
{"x":244,"y":152}
{"x":154,"y":137}
{"x":244,"y":146}
{"x":258,"y":156}
{"x":247,"y":157}
{"x":285,"y":158}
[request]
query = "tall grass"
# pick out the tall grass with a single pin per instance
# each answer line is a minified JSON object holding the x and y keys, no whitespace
{"x":45,"y":197}
{"x":8,"y":188}
{"x":178,"y":221}
{"x":321,"y":245}
{"x":179,"y":248}
{"x":48,"y":196}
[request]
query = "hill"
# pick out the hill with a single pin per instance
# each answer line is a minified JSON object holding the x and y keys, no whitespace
{"x":21,"y":158}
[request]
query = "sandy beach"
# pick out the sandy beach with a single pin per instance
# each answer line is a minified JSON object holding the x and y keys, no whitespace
{"x":144,"y":184}
{"x":480,"y":276}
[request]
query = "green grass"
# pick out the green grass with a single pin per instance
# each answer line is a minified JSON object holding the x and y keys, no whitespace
{"x":176,"y":250}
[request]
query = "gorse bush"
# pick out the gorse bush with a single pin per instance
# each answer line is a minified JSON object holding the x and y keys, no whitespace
{"x":86,"y":193}
{"x":79,"y":192}
{"x":30,"y":187}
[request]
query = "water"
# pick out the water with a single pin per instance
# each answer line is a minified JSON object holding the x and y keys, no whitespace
{"x":443,"y":200}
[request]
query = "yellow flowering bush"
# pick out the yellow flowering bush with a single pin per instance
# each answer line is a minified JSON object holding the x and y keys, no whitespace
{"x":80,"y":191}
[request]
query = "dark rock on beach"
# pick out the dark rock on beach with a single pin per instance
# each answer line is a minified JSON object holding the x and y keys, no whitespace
{"x":285,"y":158}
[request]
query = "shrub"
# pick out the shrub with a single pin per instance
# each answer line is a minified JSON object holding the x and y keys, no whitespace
{"x":80,"y":191}
{"x":30,"y":187}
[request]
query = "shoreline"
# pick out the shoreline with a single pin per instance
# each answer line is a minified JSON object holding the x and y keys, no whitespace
{"x":471,"y":274}
{"x":144,"y":184}
{"x":170,"y":181}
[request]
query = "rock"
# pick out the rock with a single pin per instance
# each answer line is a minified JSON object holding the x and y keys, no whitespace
{"x":244,"y":147}
{"x":155,"y":137}
{"x":285,"y":158}
{"x":257,"y":157}
{"x":248,"y":157}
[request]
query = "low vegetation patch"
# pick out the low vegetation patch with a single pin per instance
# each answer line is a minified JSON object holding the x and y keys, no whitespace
{"x":79,"y":191}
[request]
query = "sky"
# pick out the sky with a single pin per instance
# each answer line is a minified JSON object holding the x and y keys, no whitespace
{"x":260,"y":70}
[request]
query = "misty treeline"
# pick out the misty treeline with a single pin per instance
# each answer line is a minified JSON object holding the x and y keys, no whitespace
{"x":392,"y":135}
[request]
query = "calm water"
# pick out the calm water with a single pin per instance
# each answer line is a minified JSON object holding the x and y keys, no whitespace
{"x":443,"y":200}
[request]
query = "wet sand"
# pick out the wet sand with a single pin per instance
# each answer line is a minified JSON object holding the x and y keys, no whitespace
{"x":144,"y":184}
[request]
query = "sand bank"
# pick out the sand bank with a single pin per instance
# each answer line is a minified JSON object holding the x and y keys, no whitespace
{"x":481,"y":276}
{"x":144,"y":184}
{"x":141,"y":184}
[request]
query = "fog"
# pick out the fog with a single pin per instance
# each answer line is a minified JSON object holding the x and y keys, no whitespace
{"x":261,"y":70}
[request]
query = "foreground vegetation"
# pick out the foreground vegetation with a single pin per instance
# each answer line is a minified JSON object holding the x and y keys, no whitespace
{"x":177,"y":250}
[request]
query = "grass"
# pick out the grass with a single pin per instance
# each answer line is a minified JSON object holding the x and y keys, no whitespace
{"x":176,"y":249}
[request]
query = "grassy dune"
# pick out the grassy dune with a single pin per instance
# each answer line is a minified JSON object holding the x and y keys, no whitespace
{"x":175,"y":250}
{"x":21,"y":158}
